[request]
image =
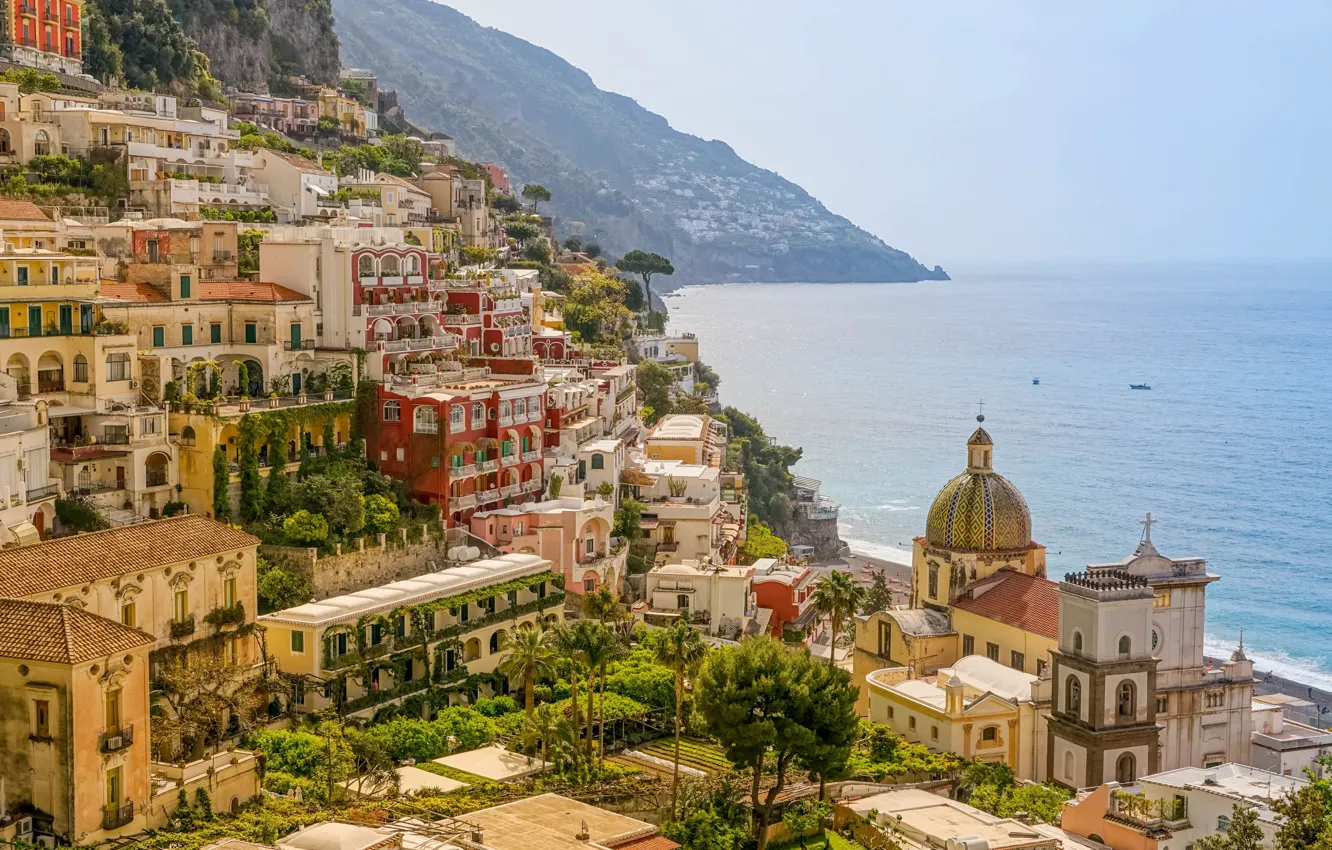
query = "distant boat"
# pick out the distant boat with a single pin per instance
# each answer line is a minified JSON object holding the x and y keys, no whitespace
{"x":1035,"y":380}
{"x":1140,"y":386}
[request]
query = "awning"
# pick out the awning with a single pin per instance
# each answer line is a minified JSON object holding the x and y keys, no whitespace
{"x":318,"y":190}
{"x":25,"y":534}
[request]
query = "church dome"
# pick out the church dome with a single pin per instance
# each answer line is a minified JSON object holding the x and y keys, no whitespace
{"x":979,"y":510}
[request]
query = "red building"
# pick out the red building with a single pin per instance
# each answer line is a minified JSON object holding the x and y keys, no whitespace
{"x":47,"y":34}
{"x":499,"y":178}
{"x":401,"y":308}
{"x":468,"y":443}
{"x":787,"y":591}
{"x":488,"y":319}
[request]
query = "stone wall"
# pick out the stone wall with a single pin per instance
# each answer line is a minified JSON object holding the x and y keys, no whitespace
{"x":819,"y":533}
{"x":371,"y":563}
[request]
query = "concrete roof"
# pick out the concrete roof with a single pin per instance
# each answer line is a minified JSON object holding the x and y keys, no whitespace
{"x":422,"y":588}
{"x":493,"y":762}
{"x":982,"y":674}
{"x":331,"y":835}
{"x":552,"y":822}
{"x":679,"y":469}
{"x":1256,"y":786}
{"x":410,"y":780}
{"x":930,"y":820}
{"x":921,"y":622}
{"x":680,"y":426}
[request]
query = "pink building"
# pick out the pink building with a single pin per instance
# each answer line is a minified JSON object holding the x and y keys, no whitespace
{"x":573,"y":534}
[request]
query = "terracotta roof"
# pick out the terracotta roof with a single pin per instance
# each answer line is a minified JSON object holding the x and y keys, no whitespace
{"x":307,"y":165}
{"x":84,"y":558}
{"x":647,"y":842}
{"x":1025,"y":602}
{"x":137,"y":292}
{"x":61,"y":634}
{"x":406,"y":184}
{"x":21,"y":211}
{"x":245,"y":290}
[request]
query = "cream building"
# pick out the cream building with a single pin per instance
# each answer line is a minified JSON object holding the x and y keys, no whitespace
{"x":298,"y":187}
{"x":27,"y":490}
{"x":370,"y":641}
{"x":683,"y":512}
{"x":718,"y":599}
{"x":687,"y":438}
{"x":977,"y":708}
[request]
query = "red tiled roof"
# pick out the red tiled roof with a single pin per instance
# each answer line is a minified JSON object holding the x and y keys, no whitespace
{"x":136,"y":292}
{"x":1025,"y":602}
{"x":21,"y":211}
{"x":61,"y":634}
{"x":245,"y":290}
{"x":656,"y":841}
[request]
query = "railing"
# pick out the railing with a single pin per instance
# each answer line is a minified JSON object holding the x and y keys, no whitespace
{"x":114,"y":817}
{"x":508,"y":460}
{"x":461,"y":319}
{"x":1147,"y":811}
{"x":43,"y":492}
{"x":487,"y":465}
{"x":465,"y":501}
{"x":529,"y":457}
{"x":668,"y":547}
{"x":182,"y":628}
{"x":506,"y":419}
{"x":300,"y":345}
{"x":465,"y":471}
{"x":118,"y":740}
{"x":485,"y":497}
{"x":533,"y":485}
{"x":221,"y":256}
{"x":156,"y":478}
{"x":509,"y":490}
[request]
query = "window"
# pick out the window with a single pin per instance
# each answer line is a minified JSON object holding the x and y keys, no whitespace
{"x":968,"y":645}
{"x":1156,"y":639}
{"x":366,"y":266}
{"x":1162,"y":705}
{"x":934,"y":733}
{"x":478,"y":415}
{"x":911,"y":723}
{"x":1222,"y":823}
{"x":1018,"y":661}
{"x":251,"y":332}
{"x":187,"y":334}
{"x":1161,"y":599}
{"x":1125,"y":700}
{"x":215,"y":332}
{"x":401,"y":454}
{"x":1073,"y":695}
{"x":181,"y":607}
{"x":113,"y":710}
{"x":1125,"y":647}
{"x":465,"y":613}
{"x":1068,"y":764}
{"x":890,"y":712}
{"x":41,"y":718}
{"x":992,"y":651}
{"x":185,"y":286}
{"x":392,"y":411}
{"x":681,"y":600}
{"x":80,"y":369}
{"x":495,"y":641}
{"x":148,"y":425}
{"x":1077,"y":641}
{"x":1126,"y":769}
{"x":456,"y":416}
{"x":228,"y":593}
{"x":934,"y":581}
{"x":434,"y":461}
{"x":598,"y":461}
{"x":4,"y":323}
{"x":297,"y":642}
{"x":424,"y":421}
{"x":376,"y":634}
{"x":159,"y":336}
{"x":591,"y":545}
{"x":129,"y":615}
{"x":295,"y":335}
{"x":990,"y":733}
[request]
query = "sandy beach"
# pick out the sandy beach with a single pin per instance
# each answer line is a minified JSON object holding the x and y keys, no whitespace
{"x":898,"y":574}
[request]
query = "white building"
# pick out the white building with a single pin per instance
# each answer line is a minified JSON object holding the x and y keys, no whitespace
{"x":297,"y":186}
{"x":1285,"y":746}
{"x":718,"y":599}
{"x":915,"y":819}
{"x":27,"y":493}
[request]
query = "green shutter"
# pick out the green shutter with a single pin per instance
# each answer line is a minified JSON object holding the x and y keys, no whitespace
{"x":187,"y":334}
{"x":34,"y":321}
{"x":159,"y":337}
{"x":215,"y":332}
{"x":85,"y":318}
{"x":251,"y":332}
{"x":295,"y":336}
{"x":66,"y":313}
{"x":4,"y":323}
{"x":184,"y":286}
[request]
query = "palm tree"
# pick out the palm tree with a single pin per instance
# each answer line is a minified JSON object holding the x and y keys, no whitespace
{"x":597,"y":645}
{"x":530,"y":657}
{"x":837,"y":596}
{"x":566,"y":642}
{"x":682,"y":649}
{"x":548,"y":726}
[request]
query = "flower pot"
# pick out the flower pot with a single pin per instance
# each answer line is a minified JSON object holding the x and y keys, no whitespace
{"x":245,"y":405}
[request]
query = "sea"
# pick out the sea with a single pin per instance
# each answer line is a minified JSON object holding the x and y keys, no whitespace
{"x":1230,"y":450}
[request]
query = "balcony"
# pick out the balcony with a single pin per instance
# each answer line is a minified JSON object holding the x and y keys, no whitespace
{"x":533,"y":486}
{"x":114,"y":817}
{"x":415,"y":279}
{"x":300,"y":345}
{"x":46,"y":492}
{"x":115,"y":741}
{"x":390,"y":280}
{"x":485,"y":497}
{"x":182,"y":628}
{"x":532,"y":456}
{"x":508,"y":491}
{"x":461,"y":319}
{"x":508,"y":460}
{"x":221,"y":256}
{"x":487,"y":465}
{"x":505,"y":420}
{"x":460,"y":502}
{"x":1147,"y":812}
{"x":670,"y":546}
{"x":465,"y":471}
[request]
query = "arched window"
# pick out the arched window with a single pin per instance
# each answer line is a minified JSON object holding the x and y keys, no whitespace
{"x":496,"y":641}
{"x":1068,"y":765}
{"x":504,"y":408}
{"x":413,"y":264}
{"x":1126,"y":769}
{"x":1077,"y":641}
{"x":117,"y":366}
{"x":366,"y":265}
{"x":1125,"y":647}
{"x":478,"y":415}
{"x":519,"y":408}
{"x":1125,"y":701}
{"x":388,"y":265}
{"x":393,"y":411}
{"x":934,"y":581}
{"x":80,"y":369}
{"x":425,"y":421}
{"x":187,"y":437}
{"x":1073,"y":695}
{"x":990,"y":733}
{"x":598,"y":461}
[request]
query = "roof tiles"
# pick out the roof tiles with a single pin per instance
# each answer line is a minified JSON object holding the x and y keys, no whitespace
{"x":61,"y":634}
{"x":1026,"y":602}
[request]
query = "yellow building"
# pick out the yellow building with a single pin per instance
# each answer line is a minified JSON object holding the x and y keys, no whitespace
{"x":975,"y":708}
{"x":370,"y":644}
{"x":75,"y":687}
{"x":687,"y":438}
{"x":347,"y":110}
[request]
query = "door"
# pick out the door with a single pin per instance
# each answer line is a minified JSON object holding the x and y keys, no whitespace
{"x":295,"y":336}
{"x":34,"y":321}
{"x":295,"y":383}
{"x":85,"y":318}
{"x":66,"y":319}
{"x":22,"y":275}
{"x":120,"y":478}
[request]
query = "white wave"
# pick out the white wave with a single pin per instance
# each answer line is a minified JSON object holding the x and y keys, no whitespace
{"x":866,"y":549}
{"x":895,"y":508}
{"x":1303,"y":670}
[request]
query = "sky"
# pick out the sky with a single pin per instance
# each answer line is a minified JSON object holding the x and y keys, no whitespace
{"x":979,"y":131}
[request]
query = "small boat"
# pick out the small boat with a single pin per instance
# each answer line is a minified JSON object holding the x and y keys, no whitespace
{"x":1140,"y":386}
{"x":1035,"y":380}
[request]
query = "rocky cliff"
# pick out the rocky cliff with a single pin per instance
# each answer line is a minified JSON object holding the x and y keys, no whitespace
{"x":622,"y":170}
{"x":255,"y":44}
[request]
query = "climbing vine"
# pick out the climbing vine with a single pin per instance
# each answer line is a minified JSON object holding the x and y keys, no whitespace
{"x":221,"y":485}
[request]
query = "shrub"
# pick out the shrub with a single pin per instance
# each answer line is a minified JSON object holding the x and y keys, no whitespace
{"x":305,"y":527}
{"x":381,"y":515}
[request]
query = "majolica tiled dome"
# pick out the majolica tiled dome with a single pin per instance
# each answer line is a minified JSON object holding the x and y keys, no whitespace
{"x":979,"y":510}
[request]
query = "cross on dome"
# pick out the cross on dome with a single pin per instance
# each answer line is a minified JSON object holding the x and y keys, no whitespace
{"x":1147,"y":527}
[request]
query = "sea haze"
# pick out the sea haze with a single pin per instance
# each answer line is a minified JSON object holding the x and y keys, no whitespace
{"x":1230,"y":450}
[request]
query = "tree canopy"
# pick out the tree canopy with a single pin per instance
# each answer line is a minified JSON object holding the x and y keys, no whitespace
{"x":536,"y":193}
{"x":645,"y":265}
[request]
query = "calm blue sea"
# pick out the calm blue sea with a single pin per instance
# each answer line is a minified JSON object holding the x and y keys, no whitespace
{"x":1231,"y":449}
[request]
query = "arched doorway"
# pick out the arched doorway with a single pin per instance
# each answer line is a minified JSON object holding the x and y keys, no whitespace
{"x":155,"y":470}
{"x":1126,"y":769}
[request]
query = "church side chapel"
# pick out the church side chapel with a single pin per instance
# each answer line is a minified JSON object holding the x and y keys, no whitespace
{"x":1111,"y":681}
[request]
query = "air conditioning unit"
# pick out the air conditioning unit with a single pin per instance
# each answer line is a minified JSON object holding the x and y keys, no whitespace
{"x":24,"y":829}
{"x":46,"y":841}
{"x":114,"y":742}
{"x":134,"y":385}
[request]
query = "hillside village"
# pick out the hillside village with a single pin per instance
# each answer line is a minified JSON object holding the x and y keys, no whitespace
{"x":344,"y":505}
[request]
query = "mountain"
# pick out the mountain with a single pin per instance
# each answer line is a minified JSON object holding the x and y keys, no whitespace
{"x":255,"y":45}
{"x":623,"y":171}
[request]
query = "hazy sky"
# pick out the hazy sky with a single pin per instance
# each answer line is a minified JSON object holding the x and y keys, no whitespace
{"x":974,"y":131}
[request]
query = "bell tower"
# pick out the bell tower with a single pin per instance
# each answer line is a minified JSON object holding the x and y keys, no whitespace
{"x":1102,"y":722}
